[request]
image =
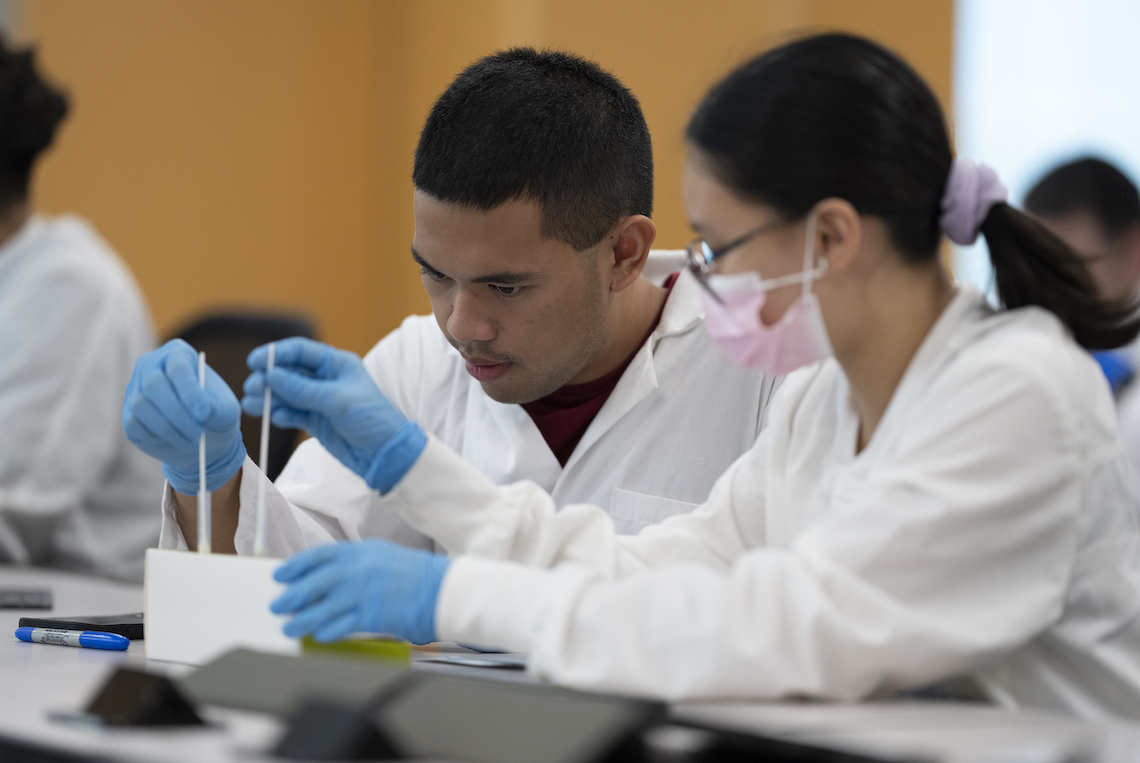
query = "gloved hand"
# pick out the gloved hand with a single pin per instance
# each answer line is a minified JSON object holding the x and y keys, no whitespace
{"x":328,"y":393}
{"x":374,"y":586}
{"x":164,"y":413}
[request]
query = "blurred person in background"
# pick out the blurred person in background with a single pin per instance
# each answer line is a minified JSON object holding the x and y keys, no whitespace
{"x":1094,"y":208}
{"x":561,"y":351}
{"x":74,"y":493}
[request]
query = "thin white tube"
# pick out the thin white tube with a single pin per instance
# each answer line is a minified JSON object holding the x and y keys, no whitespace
{"x":203,"y":494}
{"x":263,"y":461}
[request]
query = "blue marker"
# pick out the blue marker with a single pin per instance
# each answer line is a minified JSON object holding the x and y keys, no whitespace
{"x":61,"y":637}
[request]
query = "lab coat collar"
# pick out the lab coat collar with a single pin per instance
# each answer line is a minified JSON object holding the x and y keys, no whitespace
{"x":682,"y":314}
{"x":508,"y":422}
{"x":956,"y":327}
{"x":958,"y":324}
{"x":683,"y":310}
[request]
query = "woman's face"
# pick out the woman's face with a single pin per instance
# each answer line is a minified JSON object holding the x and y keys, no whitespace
{"x":719,"y":216}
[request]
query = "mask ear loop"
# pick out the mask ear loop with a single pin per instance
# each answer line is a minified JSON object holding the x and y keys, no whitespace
{"x":807,"y":273}
{"x":810,"y":273}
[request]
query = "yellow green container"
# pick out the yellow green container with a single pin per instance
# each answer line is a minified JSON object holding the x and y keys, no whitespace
{"x":385,"y":650}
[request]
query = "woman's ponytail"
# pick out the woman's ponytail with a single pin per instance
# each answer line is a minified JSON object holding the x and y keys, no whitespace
{"x":1031,"y":265}
{"x":1034,"y":267}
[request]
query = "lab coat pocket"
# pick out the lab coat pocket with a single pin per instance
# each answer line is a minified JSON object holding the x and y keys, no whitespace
{"x":632,"y":511}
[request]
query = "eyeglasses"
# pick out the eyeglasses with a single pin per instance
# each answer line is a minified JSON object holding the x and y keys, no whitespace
{"x":701,"y":256}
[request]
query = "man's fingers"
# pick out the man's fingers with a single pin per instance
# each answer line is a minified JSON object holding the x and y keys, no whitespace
{"x":254,"y":385}
{"x":152,"y":419}
{"x":309,"y":589}
{"x":253,"y":406}
{"x":295,"y":351}
{"x":253,"y":394}
{"x":226,"y":410}
{"x":337,"y":628}
{"x":177,"y":347}
{"x":319,"y":615}
{"x":182,"y":371}
{"x":296,"y":390}
{"x":156,"y":397}
{"x":305,"y":561}
{"x":284,"y":417}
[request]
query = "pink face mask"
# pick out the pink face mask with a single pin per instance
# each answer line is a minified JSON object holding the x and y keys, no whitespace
{"x":798,"y":339}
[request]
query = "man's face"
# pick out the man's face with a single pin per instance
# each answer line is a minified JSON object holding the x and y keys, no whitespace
{"x":527,"y":313}
{"x":1111,"y":262}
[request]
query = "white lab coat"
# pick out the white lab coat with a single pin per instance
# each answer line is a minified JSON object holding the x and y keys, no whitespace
{"x":73,"y":492}
{"x":986,"y":531}
{"x":679,"y":389}
{"x":1128,"y":413}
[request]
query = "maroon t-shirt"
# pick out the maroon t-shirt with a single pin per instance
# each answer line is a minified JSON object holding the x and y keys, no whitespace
{"x":564,"y":415}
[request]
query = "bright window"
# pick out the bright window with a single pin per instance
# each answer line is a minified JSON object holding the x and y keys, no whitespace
{"x":1038,"y":82}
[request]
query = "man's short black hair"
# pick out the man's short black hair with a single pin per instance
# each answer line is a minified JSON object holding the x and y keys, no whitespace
{"x":1091,"y":185}
{"x":546,"y":126}
{"x":30,"y":111}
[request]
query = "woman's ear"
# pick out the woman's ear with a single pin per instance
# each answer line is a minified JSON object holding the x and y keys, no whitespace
{"x":838,"y":233}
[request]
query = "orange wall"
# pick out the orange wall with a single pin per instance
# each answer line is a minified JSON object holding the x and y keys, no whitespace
{"x":259,"y":151}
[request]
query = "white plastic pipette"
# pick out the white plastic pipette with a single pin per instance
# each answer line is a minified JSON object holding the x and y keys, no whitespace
{"x":263,"y":461}
{"x":203,"y":494}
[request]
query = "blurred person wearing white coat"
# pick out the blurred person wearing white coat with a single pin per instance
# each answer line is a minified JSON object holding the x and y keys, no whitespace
{"x":561,"y":349}
{"x":1095,"y":208}
{"x":941,"y":498}
{"x":73,"y":493}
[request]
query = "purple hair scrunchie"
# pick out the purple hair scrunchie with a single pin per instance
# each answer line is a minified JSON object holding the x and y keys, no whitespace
{"x":971,"y":191}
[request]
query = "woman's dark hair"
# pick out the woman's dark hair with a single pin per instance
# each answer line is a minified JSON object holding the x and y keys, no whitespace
{"x":840,"y":116}
{"x":30,"y":111}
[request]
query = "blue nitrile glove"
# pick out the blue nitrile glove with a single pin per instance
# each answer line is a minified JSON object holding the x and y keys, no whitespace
{"x":328,"y":393}
{"x":164,"y":413}
{"x":373,"y":586}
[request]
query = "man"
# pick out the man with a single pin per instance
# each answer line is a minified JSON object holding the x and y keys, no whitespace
{"x":552,"y":356}
{"x":1094,"y":208}
{"x":73,"y":492}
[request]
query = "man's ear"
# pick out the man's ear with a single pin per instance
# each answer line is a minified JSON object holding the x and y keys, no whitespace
{"x":838,"y":233}
{"x":625,"y":250}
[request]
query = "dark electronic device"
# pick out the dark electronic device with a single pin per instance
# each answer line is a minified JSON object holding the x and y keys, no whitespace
{"x":489,"y":721}
{"x":279,"y":684}
{"x":25,"y":598}
{"x":329,"y":731}
{"x":345,"y":709}
{"x":135,"y":698}
{"x":130,"y":625}
{"x":429,"y":715}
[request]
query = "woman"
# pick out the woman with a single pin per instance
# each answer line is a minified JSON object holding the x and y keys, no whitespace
{"x":943,"y":495}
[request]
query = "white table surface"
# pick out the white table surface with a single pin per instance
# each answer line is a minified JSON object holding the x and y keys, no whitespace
{"x":38,"y":678}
